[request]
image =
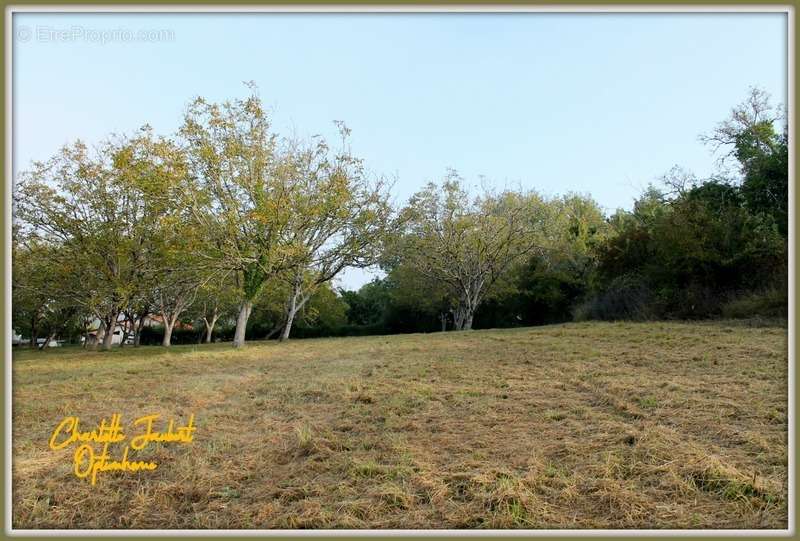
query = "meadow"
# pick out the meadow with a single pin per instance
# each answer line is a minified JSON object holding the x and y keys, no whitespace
{"x":581,"y":425}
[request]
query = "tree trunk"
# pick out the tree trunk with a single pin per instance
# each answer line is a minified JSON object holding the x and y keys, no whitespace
{"x":466,"y":310}
{"x":137,"y":330}
{"x":287,"y":328}
{"x":471,"y":306}
{"x":458,"y":318}
{"x":276,"y":329}
{"x":467,"y":326}
{"x":241,"y":323}
{"x":126,"y":329}
{"x":167,"y":340}
{"x":291,"y":309}
{"x":209,"y":330}
{"x":210,"y":326}
{"x":108,"y":337}
{"x":47,"y":341}
{"x":34,"y":333}
{"x":291,"y":312}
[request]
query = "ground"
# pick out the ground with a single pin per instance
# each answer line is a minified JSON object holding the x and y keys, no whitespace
{"x":593,"y":425}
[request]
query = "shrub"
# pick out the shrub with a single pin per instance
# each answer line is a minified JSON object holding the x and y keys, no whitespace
{"x":627,"y":297}
{"x":692,"y":301}
{"x":768,"y":303}
{"x":152,"y":336}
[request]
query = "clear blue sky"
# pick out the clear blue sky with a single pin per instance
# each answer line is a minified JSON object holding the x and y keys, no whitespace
{"x":594,"y":103}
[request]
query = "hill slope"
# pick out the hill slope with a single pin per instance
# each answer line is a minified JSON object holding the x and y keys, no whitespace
{"x":597,"y":425}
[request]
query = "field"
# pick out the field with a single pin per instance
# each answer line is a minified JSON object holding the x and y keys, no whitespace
{"x":595,"y":425}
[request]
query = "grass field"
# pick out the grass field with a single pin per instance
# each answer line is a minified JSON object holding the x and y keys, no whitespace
{"x":595,"y":425}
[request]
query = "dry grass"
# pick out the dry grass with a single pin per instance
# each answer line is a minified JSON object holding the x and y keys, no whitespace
{"x":594,"y":425}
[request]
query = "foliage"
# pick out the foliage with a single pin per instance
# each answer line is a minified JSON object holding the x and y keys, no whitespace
{"x":339,"y":219}
{"x":100,"y":209}
{"x":154,"y":336}
{"x":772,"y":303}
{"x":707,"y":242}
{"x":465,"y":244}
{"x":228,"y":219}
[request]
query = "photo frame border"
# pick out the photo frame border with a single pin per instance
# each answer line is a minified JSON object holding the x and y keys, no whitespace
{"x":395,"y":6}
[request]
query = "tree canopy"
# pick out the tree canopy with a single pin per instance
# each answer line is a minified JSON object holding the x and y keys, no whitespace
{"x":183,"y":237}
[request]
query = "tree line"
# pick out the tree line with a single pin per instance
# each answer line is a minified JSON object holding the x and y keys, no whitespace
{"x":230,"y":229}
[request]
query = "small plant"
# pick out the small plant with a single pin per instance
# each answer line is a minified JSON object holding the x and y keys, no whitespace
{"x":648,"y":402}
{"x":228,"y":493}
{"x":730,"y":485}
{"x":363,"y":398}
{"x":305,"y":438}
{"x":370,"y":468}
{"x":509,"y":499}
{"x":551,"y":471}
{"x":776,"y":417}
{"x":394,"y":496}
{"x":357,"y":392}
{"x":513,"y":514}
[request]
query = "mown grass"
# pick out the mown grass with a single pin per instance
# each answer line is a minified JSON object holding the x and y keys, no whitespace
{"x":591,"y":425}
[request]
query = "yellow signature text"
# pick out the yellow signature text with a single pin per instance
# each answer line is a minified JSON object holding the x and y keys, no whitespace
{"x":89,"y":462}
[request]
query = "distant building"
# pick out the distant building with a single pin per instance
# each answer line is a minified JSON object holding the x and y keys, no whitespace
{"x":124,"y":326}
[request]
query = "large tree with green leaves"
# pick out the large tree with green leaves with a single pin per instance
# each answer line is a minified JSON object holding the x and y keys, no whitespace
{"x":755,"y":137}
{"x":101,"y":207}
{"x":43,"y":289}
{"x":339,"y":218}
{"x":238,"y":195}
{"x":467,"y":243}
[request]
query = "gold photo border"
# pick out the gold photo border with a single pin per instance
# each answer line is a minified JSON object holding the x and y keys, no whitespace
{"x":791,"y":7}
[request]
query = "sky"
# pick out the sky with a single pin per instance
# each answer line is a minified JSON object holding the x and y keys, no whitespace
{"x":598,"y":104}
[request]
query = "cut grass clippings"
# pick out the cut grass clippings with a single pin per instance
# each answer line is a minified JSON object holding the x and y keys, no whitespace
{"x":590,"y":425}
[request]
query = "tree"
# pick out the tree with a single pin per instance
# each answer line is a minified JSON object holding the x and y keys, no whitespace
{"x":686,"y":255}
{"x":42,"y":292}
{"x":339,"y":219}
{"x":139,"y":308}
{"x":468,"y":243}
{"x":31,"y":292}
{"x":418,"y":302}
{"x":178,"y":272}
{"x":765,"y":186}
{"x":238,"y":195}
{"x":175,"y":294}
{"x":367,"y":306}
{"x":167,"y":275}
{"x":215,"y":300}
{"x":761,"y":151}
{"x":749,"y":130}
{"x":551,"y":282}
{"x":101,"y":209}
{"x":324,"y":312}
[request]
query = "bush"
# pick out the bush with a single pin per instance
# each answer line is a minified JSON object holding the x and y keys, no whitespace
{"x":153,"y":336}
{"x":692,"y":301}
{"x":769,"y":303}
{"x":627,"y":297}
{"x":299,"y":331}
